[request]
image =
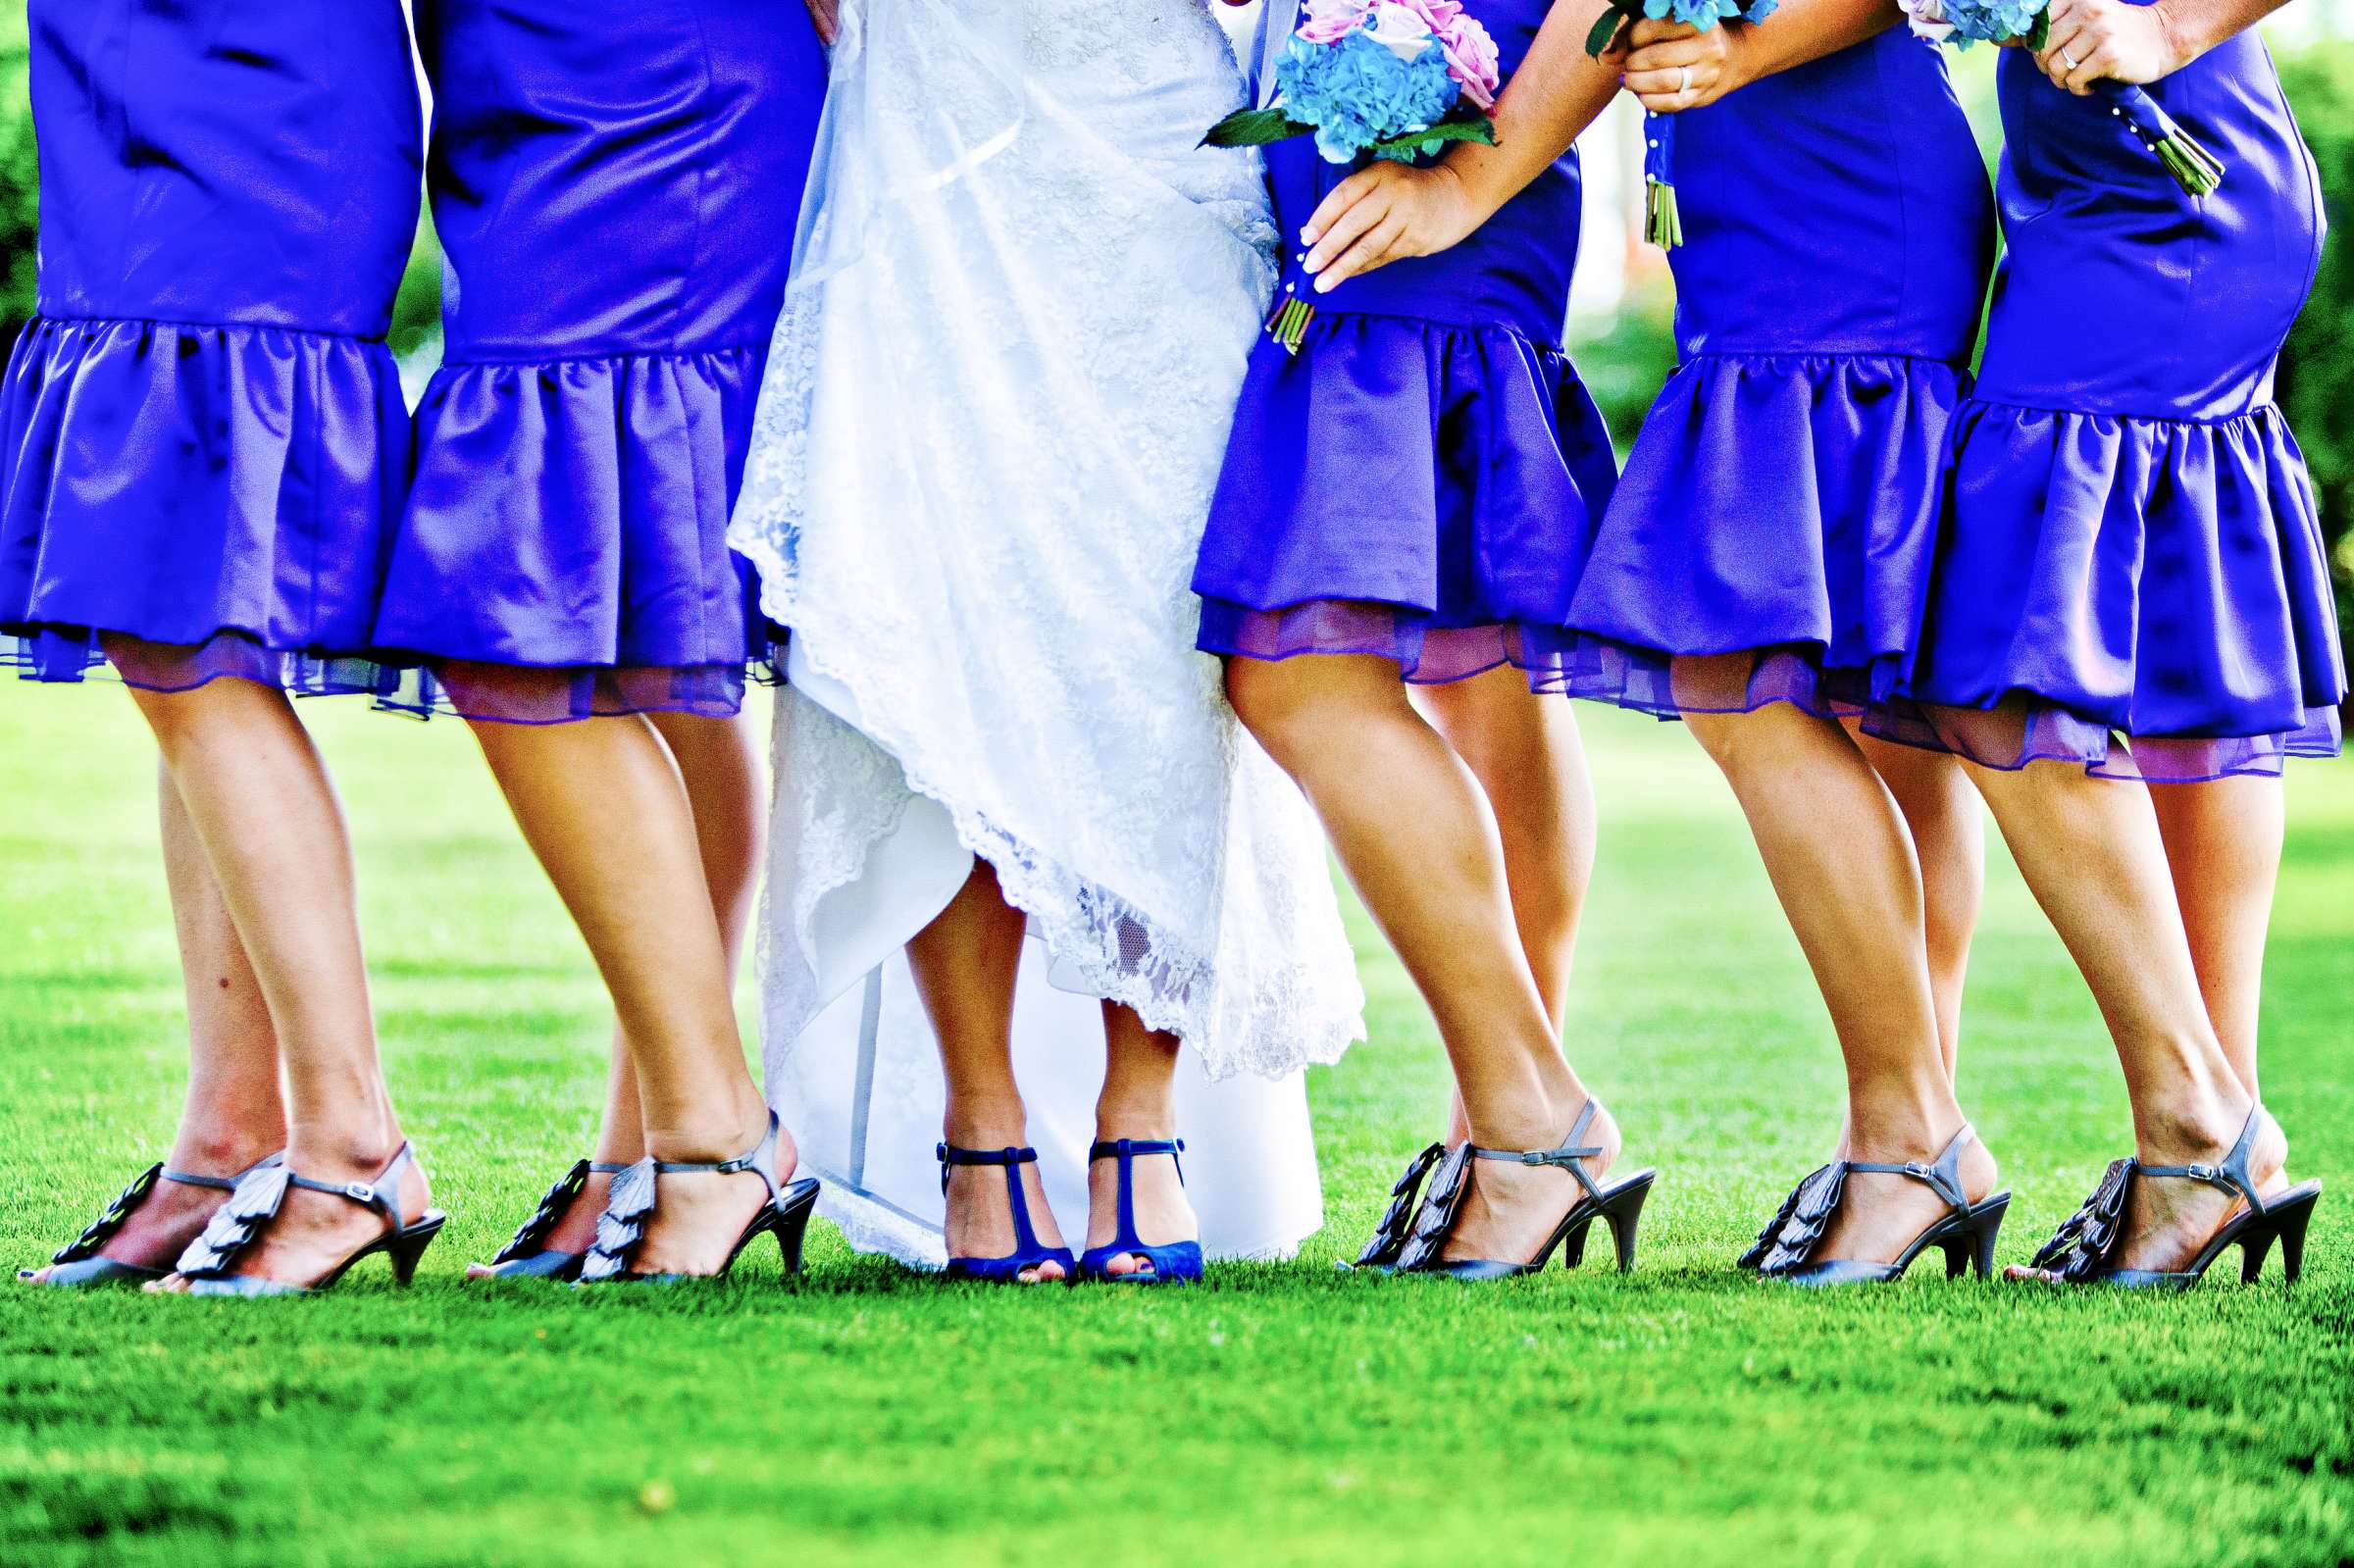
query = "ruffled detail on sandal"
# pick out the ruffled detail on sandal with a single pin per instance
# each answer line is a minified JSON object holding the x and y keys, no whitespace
{"x":532,"y":1236}
{"x":2079,"y":1249}
{"x":564,"y":553}
{"x":1815,"y":1201}
{"x":1390,"y":1237}
{"x":236,"y":1224}
{"x":1436,"y":529}
{"x":1782,"y":507}
{"x":196,"y":502}
{"x":1769,"y":1235}
{"x":622,"y":1226}
{"x":2102,"y":576}
{"x":118,"y":1214}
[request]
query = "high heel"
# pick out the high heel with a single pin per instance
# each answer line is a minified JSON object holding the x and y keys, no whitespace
{"x":209,"y":1265}
{"x":620,"y":1227}
{"x":528,"y":1256}
{"x":1619,"y":1206}
{"x":77,"y":1266}
{"x":1170,"y":1262}
{"x":1396,"y":1224}
{"x":2080,"y":1251}
{"x":1028,"y":1252}
{"x":1966,"y":1233}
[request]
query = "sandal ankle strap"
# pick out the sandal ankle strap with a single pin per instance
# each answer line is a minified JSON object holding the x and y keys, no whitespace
{"x":1567,"y":1156}
{"x":1025,"y":1235}
{"x":1942,"y":1176}
{"x":382,"y":1192}
{"x":760,"y":1159}
{"x":2231,"y":1174}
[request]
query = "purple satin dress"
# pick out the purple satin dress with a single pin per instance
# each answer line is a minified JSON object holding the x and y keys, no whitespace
{"x":1781,"y":499}
{"x":202,"y":438}
{"x":2131,"y":546}
{"x":616,"y":190}
{"x":1411,"y":482}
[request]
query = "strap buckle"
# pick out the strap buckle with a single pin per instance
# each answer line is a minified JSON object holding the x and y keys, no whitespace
{"x":359,"y":1193}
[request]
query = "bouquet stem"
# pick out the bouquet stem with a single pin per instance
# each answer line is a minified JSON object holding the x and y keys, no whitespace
{"x":1289,"y":324}
{"x":1662,"y":223}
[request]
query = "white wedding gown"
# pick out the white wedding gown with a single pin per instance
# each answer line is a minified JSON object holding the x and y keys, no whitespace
{"x":994,"y":412}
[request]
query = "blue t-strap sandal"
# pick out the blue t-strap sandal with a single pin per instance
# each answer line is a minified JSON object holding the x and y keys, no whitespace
{"x":620,"y":1229}
{"x":210,"y":1264}
{"x":77,"y":1265}
{"x":1029,"y":1253}
{"x":1966,"y":1233}
{"x":1171,"y":1262}
{"x":2080,"y":1250}
{"x":529,"y":1256}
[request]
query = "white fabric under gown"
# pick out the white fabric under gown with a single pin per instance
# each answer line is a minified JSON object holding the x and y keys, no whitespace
{"x":994,"y":412}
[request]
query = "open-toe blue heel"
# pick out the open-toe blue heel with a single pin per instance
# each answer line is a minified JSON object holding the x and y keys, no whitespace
{"x":78,"y":1264}
{"x":1028,"y":1253}
{"x":1170,"y":1263}
{"x":210,"y":1263}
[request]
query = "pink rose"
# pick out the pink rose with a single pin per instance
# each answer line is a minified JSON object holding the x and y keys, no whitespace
{"x":1330,"y":21}
{"x":1471,"y":56}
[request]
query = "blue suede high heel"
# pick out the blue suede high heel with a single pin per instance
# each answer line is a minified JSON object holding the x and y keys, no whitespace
{"x":2081,"y":1251}
{"x":529,"y":1256}
{"x":77,"y":1265}
{"x":1171,"y":1262}
{"x":1028,"y":1253}
{"x":209,"y":1265}
{"x":613,"y":1259}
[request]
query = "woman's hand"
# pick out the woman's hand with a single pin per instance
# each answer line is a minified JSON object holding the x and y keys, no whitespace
{"x":2092,"y":40}
{"x":1382,"y":214}
{"x":826,"y":17}
{"x":1673,"y":66}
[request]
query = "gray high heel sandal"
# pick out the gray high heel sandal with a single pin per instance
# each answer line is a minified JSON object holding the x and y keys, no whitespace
{"x":1966,"y":1233}
{"x":2079,"y":1252}
{"x":528,"y":1256}
{"x":620,"y":1229}
{"x":1619,"y":1205}
{"x":77,"y":1265}
{"x":209,"y":1265}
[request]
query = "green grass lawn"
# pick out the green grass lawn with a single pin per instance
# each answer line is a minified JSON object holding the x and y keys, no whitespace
{"x":1277,"y":1414}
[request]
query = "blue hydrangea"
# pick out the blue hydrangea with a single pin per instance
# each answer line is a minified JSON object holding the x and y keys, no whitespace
{"x":1358,"y":93}
{"x":1705,"y":14}
{"x":1991,"y":21}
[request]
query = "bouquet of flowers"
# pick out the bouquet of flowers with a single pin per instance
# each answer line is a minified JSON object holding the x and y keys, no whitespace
{"x":1663,"y":223}
{"x":1967,"y":22}
{"x":1396,"y":78}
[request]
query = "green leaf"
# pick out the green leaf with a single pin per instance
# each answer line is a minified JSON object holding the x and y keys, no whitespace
{"x":1472,"y":127}
{"x":1606,"y":31}
{"x":2041,"y":34}
{"x":1255,"y":127}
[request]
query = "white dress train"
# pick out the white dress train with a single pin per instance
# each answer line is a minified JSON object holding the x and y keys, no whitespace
{"x":995,"y":411}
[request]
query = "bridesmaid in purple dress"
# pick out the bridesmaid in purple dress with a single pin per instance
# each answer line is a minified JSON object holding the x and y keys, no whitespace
{"x":1760,"y":571}
{"x":616,"y":191}
{"x":203,"y":461}
{"x":1395,"y":515}
{"x":2129,"y":621}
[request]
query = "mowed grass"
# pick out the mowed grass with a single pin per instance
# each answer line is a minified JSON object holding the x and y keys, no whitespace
{"x":1276,"y":1414}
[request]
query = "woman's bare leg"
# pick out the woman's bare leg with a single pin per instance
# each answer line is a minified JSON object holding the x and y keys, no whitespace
{"x":1530,"y":762}
{"x":965,"y":964}
{"x":231,"y":1115}
{"x":1415,"y":831}
{"x":265,"y":815}
{"x":1841,"y":862}
{"x":602,"y":803}
{"x":1140,"y":1068}
{"x":719,"y":767}
{"x":2092,"y":853}
{"x":2223,"y":849}
{"x":1947,"y":822}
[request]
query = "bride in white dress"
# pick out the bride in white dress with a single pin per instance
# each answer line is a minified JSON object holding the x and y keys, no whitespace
{"x":994,"y":412}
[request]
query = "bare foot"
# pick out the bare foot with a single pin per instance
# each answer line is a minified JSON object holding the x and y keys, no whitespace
{"x":980,"y":1218}
{"x":1881,"y":1213}
{"x":702,"y":1214}
{"x":166,"y":1221}
{"x":575,"y":1230}
{"x":1511,"y":1210}
{"x":1162,"y":1213}
{"x":314,"y":1233}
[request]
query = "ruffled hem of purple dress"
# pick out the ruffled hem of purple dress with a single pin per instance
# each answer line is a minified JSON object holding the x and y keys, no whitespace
{"x":564,"y":553}
{"x":185,"y":502}
{"x":1769,"y":541}
{"x":2149,"y":598}
{"x":1402,"y":487}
